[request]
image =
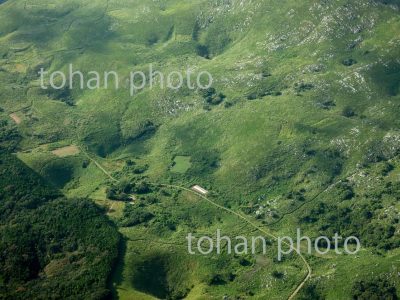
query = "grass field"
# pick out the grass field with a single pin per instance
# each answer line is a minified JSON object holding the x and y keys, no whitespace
{"x":302,"y":130}
{"x":66,"y":151}
{"x":181,"y":164}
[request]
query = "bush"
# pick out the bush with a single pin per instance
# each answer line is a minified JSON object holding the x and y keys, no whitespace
{"x":113,"y":193}
{"x":278,"y":275}
{"x":303,"y":87}
{"x":85,"y":163}
{"x":207,"y":107}
{"x":228,"y":104}
{"x":63,"y":95}
{"x":140,"y":169}
{"x":211,"y":96}
{"x":134,"y":215}
{"x":152,"y":39}
{"x":203,"y":51}
{"x":348,"y":112}
{"x":376,"y":289}
{"x":346,"y":191}
{"x":349,"y":62}
{"x":326,"y":104}
{"x":252,"y":96}
{"x":311,"y":292}
{"x":387,"y":168}
{"x":142,"y":187}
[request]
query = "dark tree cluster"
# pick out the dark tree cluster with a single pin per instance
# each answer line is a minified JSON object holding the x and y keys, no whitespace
{"x":135,"y":215}
{"x":374,"y":289}
{"x":211,"y":96}
{"x":51,"y":247}
{"x":123,"y":190}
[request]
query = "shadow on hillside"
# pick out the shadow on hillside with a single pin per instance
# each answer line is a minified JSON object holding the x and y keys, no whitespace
{"x":116,"y":276}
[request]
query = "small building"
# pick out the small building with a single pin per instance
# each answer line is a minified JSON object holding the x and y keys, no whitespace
{"x":199,"y":190}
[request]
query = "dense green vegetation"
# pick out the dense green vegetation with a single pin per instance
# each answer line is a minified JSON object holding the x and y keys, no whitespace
{"x":51,"y":247}
{"x":376,"y":288}
{"x":299,"y":129}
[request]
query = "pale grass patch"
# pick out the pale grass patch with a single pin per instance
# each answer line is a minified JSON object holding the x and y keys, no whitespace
{"x":66,"y":151}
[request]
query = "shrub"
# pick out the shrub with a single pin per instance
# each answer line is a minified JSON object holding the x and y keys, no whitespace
{"x":85,"y":163}
{"x":311,"y":292}
{"x":326,"y":104}
{"x":348,"y":112}
{"x":142,"y":187}
{"x":113,"y":193}
{"x":203,"y":51}
{"x":303,"y":87}
{"x":375,"y":289}
{"x":387,"y":168}
{"x":252,"y":96}
{"x":152,"y":39}
{"x":211,"y":96}
{"x":134,"y":216}
{"x":140,"y":169}
{"x":349,"y":62}
{"x":228,"y":104}
{"x":278,"y":275}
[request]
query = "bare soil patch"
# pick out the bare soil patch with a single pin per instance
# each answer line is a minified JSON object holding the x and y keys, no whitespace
{"x":66,"y":151}
{"x":16,"y":119}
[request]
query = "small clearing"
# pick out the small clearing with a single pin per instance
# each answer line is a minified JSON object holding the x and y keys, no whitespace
{"x":181,"y":164}
{"x":66,"y":151}
{"x":16,"y":119}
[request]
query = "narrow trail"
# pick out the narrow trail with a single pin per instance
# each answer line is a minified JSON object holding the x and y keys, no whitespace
{"x":96,"y":163}
{"x":254,"y":225}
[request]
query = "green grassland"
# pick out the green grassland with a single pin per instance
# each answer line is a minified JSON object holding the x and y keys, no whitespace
{"x":307,"y":133}
{"x":181,"y":164}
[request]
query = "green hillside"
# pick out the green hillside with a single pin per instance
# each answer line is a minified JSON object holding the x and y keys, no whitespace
{"x":300,"y":129}
{"x":51,"y":247}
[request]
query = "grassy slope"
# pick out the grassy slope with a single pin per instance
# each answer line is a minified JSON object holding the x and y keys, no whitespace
{"x":262,"y":145}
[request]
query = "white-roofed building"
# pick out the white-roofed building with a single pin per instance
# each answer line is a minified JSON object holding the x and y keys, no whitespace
{"x":199,"y":190}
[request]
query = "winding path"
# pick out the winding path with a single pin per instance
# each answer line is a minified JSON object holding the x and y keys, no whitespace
{"x":254,"y":225}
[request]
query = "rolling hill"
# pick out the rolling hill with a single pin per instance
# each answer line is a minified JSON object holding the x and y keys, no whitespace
{"x":300,"y":129}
